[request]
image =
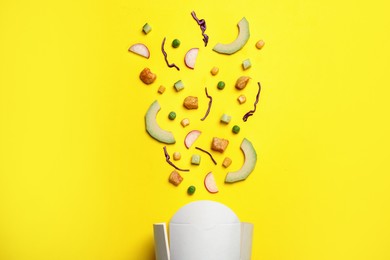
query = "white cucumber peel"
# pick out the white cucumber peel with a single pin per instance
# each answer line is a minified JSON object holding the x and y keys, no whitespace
{"x":239,"y":42}
{"x":250,"y":159}
{"x":152,"y":127}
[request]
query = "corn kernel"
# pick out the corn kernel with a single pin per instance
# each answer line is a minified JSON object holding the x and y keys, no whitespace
{"x":176,"y":156}
{"x":241,"y":99}
{"x":226,"y":162}
{"x":214,"y":71}
{"x":260,"y":44}
{"x":161,"y":89}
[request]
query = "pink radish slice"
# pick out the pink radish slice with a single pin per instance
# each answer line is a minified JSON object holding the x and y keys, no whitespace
{"x":140,"y":49}
{"x":190,"y":57}
{"x":209,"y":183}
{"x":191,"y":138}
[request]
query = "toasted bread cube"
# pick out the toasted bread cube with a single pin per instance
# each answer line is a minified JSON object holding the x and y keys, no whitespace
{"x":185,"y":122}
{"x":219,"y":144}
{"x":175,"y":178}
{"x":226,"y":162}
{"x":241,"y":99}
{"x":176,"y":156}
{"x":191,"y":102}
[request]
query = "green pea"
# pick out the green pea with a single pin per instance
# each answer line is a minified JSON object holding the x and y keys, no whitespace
{"x":175,"y":43}
{"x":172,"y":115}
{"x":236,"y":129}
{"x":191,"y":190}
{"x":221,"y":85}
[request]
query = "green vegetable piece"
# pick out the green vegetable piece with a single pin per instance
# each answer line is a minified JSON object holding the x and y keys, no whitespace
{"x":221,"y":85}
{"x":147,"y":28}
{"x":191,"y":190}
{"x":195,"y":159}
{"x":175,"y":43}
{"x":179,"y":85}
{"x":172,"y":115}
{"x":246,"y":64}
{"x":236,"y":129}
{"x":226,"y":118}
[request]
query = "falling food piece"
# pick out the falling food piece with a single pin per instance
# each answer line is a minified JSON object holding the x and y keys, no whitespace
{"x":161,"y":89}
{"x":176,"y":156}
{"x":210,"y":184}
{"x":175,"y":178}
{"x":191,"y":137}
{"x":146,"y":28}
{"x":226,"y":162}
{"x":171,"y":65}
{"x":214,"y":71}
{"x":191,"y":102}
{"x":178,"y":85}
{"x":246,"y":64}
{"x":242,"y":82}
{"x":140,"y":49}
{"x":185,"y":122}
{"x":147,"y":76}
{"x":195,"y":159}
{"x":251,"y":112}
{"x":260,"y":44}
{"x":219,"y":144}
{"x":190,"y":57}
{"x":241,"y":99}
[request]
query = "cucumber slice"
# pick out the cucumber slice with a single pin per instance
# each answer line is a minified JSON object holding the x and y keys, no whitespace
{"x":152,"y":127}
{"x":239,"y":42}
{"x":249,"y":163}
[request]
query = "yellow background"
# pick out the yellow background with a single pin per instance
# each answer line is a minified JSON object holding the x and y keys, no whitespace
{"x":81,"y":179}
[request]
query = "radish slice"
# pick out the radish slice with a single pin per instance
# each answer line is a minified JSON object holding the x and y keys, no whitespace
{"x":190,"y":57}
{"x":191,"y":138}
{"x":209,"y":183}
{"x":140,"y":49}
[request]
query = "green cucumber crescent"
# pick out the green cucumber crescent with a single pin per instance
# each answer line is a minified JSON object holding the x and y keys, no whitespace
{"x":249,"y":163}
{"x":239,"y":42}
{"x":154,"y":129}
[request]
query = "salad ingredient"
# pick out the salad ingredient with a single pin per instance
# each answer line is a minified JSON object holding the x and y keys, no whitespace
{"x":154,"y":129}
{"x":251,"y":112}
{"x":168,"y":159}
{"x":179,"y":85}
{"x":176,"y":156}
{"x":191,"y":138}
{"x":140,"y":49}
{"x":241,"y":99}
{"x":225,"y":118}
{"x":190,"y":57}
{"x":146,"y":28}
{"x":219,"y":144}
{"x":191,"y":102}
{"x":236,"y":129}
{"x":239,"y":42}
{"x":166,"y":56}
{"x":226,"y":162}
{"x":241,"y":82}
{"x":175,"y":43}
{"x":185,"y":122}
{"x":191,"y":190}
{"x":210,"y":184}
{"x":214,"y":71}
{"x":202,"y":25}
{"x":221,"y":85}
{"x":195,"y":159}
{"x":175,"y":178}
{"x":212,"y":158}
{"x":172,"y":115}
{"x":161,"y":89}
{"x":250,"y":159}
{"x":260,"y":44}
{"x":246,"y":64}
{"x":147,"y":76}
{"x":209,"y":105}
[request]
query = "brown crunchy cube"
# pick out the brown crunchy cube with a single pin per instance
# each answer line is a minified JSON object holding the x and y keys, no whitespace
{"x":161,"y":89}
{"x":147,"y":76}
{"x":219,"y":144}
{"x":175,"y":178}
{"x":191,"y":102}
{"x":226,"y":162}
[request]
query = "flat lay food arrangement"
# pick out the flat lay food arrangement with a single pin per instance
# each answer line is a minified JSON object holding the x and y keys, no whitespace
{"x":218,"y":144}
